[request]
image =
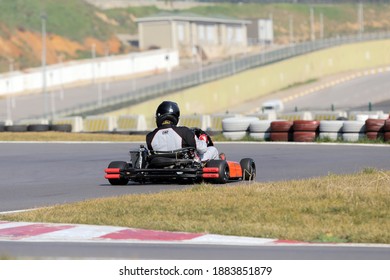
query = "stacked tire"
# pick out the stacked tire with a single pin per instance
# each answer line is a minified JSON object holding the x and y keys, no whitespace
{"x":260,"y":130}
{"x":354,"y":130}
{"x":35,"y":128}
{"x":281,"y":131}
{"x":332,"y":130}
{"x":38,"y":127}
{"x":386,"y":128}
{"x":305,"y":131}
{"x":236,"y":128}
{"x":375,"y":129}
{"x":16,"y":128}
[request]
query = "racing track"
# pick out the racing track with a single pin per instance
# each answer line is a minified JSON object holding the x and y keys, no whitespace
{"x":38,"y":174}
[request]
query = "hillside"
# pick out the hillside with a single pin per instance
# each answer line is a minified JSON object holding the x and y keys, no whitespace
{"x":74,"y":26}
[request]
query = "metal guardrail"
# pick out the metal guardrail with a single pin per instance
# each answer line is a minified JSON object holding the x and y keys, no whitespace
{"x":214,"y":72}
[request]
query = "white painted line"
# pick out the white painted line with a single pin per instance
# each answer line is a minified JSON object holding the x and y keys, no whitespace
{"x":231,"y":240}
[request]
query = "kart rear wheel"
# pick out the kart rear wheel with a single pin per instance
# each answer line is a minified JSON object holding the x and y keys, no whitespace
{"x":121,"y":165}
{"x":224,"y":173}
{"x":248,"y":169}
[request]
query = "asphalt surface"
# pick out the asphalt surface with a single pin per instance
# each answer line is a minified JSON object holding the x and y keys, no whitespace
{"x":77,"y":250}
{"x":39,"y":174}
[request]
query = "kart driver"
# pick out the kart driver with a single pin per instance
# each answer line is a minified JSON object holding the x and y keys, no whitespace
{"x":168,"y":136}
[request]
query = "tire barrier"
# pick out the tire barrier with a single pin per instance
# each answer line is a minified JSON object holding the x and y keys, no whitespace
{"x":386,"y":128}
{"x":281,"y":131}
{"x":237,"y":123}
{"x":331,"y":126}
{"x":236,"y":128}
{"x":305,"y":131}
{"x":354,"y":127}
{"x":311,"y":126}
{"x":375,"y":128}
{"x":304,"y":136}
{"x":76,"y":123}
{"x":353,"y":137}
{"x":333,"y":136}
{"x":260,"y":130}
{"x":38,"y":127}
{"x":234,"y":135}
{"x":61,"y":127}
{"x":16,"y":128}
{"x":354,"y":131}
{"x":331,"y":130}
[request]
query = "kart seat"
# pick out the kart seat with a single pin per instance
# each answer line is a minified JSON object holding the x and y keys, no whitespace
{"x":161,"y":162}
{"x":163,"y":159}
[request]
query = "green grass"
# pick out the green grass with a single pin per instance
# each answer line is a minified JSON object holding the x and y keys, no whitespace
{"x":335,"y":208}
{"x":73,"y":19}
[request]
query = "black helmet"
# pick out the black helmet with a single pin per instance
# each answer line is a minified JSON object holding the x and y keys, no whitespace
{"x":167,"y":111}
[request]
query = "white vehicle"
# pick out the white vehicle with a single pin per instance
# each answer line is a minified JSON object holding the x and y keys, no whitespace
{"x":272,"y":106}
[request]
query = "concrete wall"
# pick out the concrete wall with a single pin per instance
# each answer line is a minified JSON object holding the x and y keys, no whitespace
{"x":79,"y":72}
{"x":156,"y":34}
{"x":220,"y":95}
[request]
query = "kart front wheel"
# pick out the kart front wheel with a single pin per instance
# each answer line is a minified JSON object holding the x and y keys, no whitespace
{"x":121,"y":165}
{"x":248,"y":167}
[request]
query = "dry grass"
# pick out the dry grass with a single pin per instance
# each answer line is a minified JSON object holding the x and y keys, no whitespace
{"x":61,"y":136}
{"x":335,"y":208}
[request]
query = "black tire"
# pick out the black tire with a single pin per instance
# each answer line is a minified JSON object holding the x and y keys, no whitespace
{"x":2,"y":127}
{"x":224,"y":173}
{"x":121,"y":165}
{"x":38,"y":127}
{"x":16,"y":128}
{"x":61,"y":127}
{"x":248,"y":169}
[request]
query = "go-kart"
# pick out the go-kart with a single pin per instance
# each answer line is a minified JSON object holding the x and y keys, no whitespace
{"x":181,"y":166}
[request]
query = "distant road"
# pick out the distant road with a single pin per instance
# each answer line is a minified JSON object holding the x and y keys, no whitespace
{"x":351,"y":95}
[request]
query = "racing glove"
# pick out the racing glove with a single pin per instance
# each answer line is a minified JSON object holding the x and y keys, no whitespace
{"x":203,"y":137}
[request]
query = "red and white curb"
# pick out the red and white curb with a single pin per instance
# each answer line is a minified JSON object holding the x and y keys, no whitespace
{"x":48,"y":232}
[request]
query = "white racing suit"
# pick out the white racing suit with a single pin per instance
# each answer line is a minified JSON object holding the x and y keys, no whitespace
{"x":169,"y":137}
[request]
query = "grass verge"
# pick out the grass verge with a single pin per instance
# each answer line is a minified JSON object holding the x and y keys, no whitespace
{"x":335,"y":208}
